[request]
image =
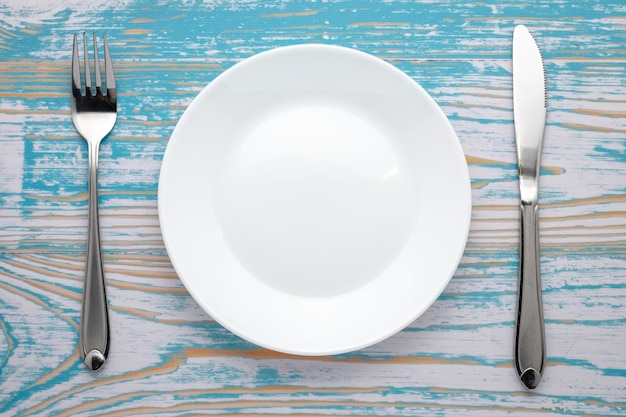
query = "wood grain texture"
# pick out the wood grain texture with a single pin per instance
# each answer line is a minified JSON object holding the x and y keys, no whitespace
{"x":168,"y":358}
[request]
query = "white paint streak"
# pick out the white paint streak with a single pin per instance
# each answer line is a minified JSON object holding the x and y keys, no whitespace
{"x":12,"y":153}
{"x":20,"y":13}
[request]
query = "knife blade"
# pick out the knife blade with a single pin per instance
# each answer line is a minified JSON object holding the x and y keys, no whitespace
{"x":529,"y":112}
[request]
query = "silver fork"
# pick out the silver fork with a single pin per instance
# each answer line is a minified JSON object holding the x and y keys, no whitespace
{"x":94,"y":115}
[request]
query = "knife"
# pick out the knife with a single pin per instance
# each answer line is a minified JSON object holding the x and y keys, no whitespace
{"x":529,"y":112}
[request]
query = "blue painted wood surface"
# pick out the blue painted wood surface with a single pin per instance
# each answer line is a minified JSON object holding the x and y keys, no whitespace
{"x":168,"y":358}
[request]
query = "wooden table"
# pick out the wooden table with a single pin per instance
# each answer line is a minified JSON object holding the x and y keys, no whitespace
{"x":168,"y":358}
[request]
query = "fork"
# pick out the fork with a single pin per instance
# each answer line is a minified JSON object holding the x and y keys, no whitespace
{"x":94,"y":115}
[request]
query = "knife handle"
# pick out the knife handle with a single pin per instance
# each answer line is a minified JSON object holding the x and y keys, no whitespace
{"x":530,"y":340}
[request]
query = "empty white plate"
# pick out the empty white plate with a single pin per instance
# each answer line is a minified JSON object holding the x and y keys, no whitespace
{"x":314,"y":199}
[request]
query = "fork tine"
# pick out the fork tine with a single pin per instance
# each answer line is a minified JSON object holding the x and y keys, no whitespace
{"x":96,"y":64}
{"x":75,"y":66}
{"x":108,"y":66}
{"x":87,"y":71}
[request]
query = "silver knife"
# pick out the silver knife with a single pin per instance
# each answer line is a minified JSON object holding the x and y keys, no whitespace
{"x":529,"y":111}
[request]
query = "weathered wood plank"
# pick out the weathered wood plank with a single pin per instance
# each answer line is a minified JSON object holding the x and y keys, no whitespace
{"x":168,"y":358}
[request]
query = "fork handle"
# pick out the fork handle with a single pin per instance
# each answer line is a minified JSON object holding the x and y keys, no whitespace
{"x":94,"y":323}
{"x":530,"y":340}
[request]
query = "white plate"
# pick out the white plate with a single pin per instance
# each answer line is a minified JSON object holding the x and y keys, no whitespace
{"x":314,"y":199}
